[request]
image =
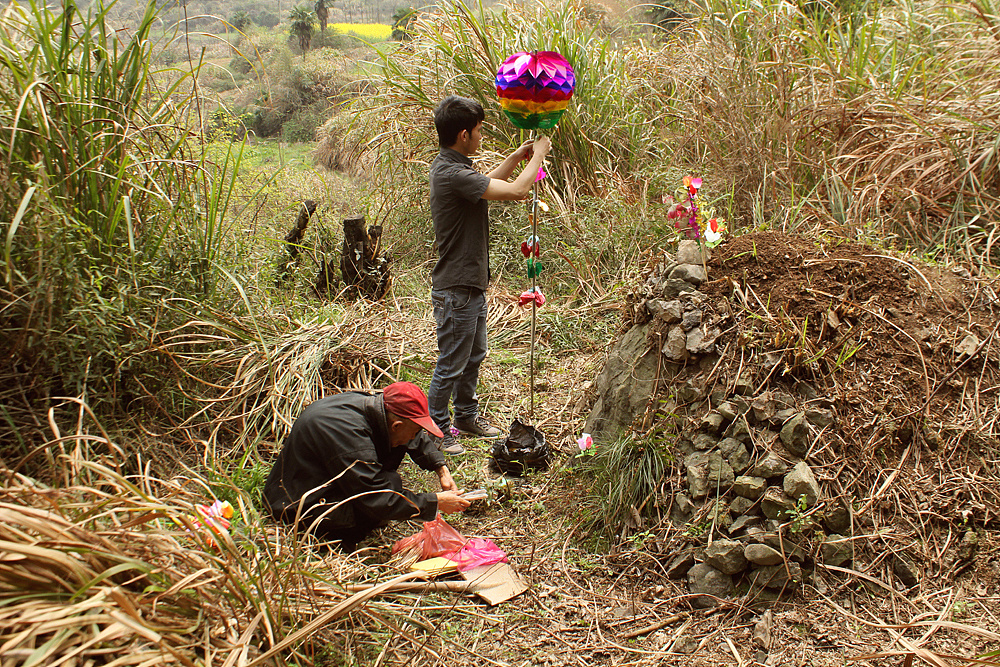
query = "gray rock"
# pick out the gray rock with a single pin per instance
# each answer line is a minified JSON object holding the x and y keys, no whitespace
{"x":763,"y":407}
{"x":762,"y":633}
{"x":792,"y":549}
{"x":742,"y":386}
{"x":740,"y":506}
{"x":696,"y":465}
{"x":907,"y":572}
{"x":672,"y":288}
{"x":761,"y":554}
{"x":708,"y":584}
{"x":718,"y":397}
{"x":728,"y":411}
{"x":624,"y":386}
{"x":836,"y":550}
{"x":800,"y":482}
{"x":704,"y":441}
{"x":739,"y":430}
{"x":783,"y":415}
{"x":700,"y":341}
{"x":689,"y":392}
{"x":679,"y":566}
{"x":682,"y":509}
{"x":689,"y":273}
{"x":783,"y":399}
{"x":726,"y":556}
{"x":691,"y":252}
{"x":743,"y":524}
{"x":675,"y":347}
{"x":654,"y":306}
{"x":772,"y":466}
{"x":775,"y":504}
{"x":711,"y":423}
{"x":837,"y":517}
{"x":671,"y":311}
{"x":685,"y":645}
{"x":751,"y":488}
{"x":968,"y":546}
{"x":718,"y":514}
{"x":736,"y":453}
{"x":707,"y":472}
{"x":691,"y":319}
{"x":787,"y":576}
{"x":819,"y":417}
{"x":795,"y":435}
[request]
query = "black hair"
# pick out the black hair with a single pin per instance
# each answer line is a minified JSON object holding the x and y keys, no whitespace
{"x":455,"y":114}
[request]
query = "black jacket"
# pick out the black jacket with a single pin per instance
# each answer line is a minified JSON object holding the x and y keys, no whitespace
{"x":339,"y":448}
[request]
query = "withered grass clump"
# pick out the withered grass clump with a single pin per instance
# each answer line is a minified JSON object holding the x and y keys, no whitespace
{"x":115,"y":569}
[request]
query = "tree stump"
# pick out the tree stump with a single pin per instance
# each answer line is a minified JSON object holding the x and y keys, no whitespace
{"x":364,"y":268}
{"x":293,"y":240}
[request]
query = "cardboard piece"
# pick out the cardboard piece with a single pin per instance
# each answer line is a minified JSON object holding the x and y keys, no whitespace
{"x":495,"y":583}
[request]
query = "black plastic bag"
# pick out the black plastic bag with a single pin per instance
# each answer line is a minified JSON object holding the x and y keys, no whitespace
{"x":524,"y":448}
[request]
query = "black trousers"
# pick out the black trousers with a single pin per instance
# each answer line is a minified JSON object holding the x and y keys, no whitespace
{"x":315,"y":522}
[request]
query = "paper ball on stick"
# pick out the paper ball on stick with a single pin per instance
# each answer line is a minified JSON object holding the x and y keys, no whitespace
{"x":535,"y":88}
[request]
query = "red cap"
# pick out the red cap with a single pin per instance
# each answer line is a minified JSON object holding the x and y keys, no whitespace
{"x":407,"y":401}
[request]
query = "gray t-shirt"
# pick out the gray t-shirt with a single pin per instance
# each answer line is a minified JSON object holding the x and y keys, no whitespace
{"x":461,"y":222}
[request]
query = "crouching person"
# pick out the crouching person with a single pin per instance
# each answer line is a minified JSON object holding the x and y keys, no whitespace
{"x":335,"y":476}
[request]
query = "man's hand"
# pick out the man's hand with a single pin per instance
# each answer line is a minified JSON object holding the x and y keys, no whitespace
{"x":523,"y":151}
{"x":451,"y":501}
{"x":444,"y":477}
{"x":542,"y":146}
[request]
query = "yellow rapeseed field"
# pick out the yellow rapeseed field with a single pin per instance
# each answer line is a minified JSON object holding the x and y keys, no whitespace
{"x":372,"y":32}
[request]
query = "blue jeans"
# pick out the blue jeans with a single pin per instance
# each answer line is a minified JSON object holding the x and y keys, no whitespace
{"x":460,"y":314}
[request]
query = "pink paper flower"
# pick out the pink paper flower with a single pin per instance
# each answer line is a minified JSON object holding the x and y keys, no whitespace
{"x":585,"y":442}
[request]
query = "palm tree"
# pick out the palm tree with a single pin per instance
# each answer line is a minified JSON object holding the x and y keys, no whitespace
{"x":303,"y":25}
{"x":322,"y":13}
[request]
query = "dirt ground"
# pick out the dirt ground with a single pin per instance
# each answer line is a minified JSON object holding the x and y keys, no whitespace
{"x":908,"y":357}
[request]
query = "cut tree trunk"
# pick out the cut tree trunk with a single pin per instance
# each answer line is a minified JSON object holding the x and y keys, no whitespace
{"x":293,"y":240}
{"x":364,"y":267}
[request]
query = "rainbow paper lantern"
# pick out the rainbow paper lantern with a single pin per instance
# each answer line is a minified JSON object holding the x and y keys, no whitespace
{"x":535,"y":88}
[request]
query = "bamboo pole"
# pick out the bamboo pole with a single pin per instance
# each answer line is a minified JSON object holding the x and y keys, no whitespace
{"x":534,"y":302}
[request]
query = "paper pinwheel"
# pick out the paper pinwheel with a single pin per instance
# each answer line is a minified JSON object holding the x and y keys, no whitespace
{"x":535,"y":88}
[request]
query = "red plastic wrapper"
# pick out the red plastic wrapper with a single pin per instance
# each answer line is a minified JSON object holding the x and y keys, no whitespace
{"x":435,"y":539}
{"x":438,"y":538}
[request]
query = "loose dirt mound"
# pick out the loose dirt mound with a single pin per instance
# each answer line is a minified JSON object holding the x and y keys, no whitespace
{"x":907,"y":354}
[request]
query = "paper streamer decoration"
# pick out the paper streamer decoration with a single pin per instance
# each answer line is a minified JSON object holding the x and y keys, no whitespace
{"x":530,"y":247}
{"x":533,"y":295}
{"x":535,"y":88}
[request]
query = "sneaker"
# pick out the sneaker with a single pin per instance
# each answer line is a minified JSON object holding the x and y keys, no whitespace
{"x":449,"y":445}
{"x":479,"y":428}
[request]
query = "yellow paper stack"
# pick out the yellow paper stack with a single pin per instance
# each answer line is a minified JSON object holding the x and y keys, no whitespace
{"x":435,"y":567}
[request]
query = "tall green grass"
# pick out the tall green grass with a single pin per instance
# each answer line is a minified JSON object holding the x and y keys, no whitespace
{"x":110,"y":201}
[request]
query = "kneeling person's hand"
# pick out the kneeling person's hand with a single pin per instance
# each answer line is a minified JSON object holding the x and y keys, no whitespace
{"x":451,"y":501}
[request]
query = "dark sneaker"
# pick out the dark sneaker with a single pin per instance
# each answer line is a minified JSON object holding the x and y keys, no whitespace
{"x":449,"y":445}
{"x":479,"y":428}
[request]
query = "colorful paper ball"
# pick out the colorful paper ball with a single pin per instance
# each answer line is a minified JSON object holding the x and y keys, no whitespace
{"x":535,"y":88}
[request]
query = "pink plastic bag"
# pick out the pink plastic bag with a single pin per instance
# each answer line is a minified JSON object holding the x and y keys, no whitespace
{"x":478,"y":551}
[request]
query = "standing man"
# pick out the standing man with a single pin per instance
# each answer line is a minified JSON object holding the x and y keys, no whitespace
{"x":459,"y":209}
{"x":336,"y":474}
